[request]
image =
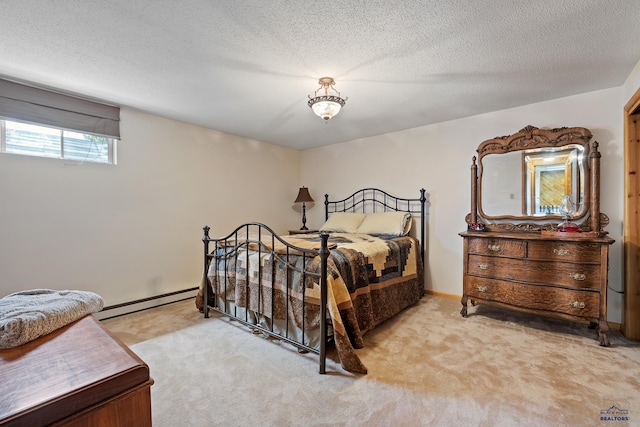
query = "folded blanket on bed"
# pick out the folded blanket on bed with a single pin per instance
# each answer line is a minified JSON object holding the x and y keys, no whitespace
{"x":27,"y":315}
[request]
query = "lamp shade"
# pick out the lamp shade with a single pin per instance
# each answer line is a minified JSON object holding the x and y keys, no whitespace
{"x":326,"y":106}
{"x":303,"y":196}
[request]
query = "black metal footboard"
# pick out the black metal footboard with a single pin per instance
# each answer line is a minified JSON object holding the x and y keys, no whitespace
{"x":269,"y":285}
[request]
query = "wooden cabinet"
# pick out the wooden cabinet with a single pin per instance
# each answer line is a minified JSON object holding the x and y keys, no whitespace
{"x":511,"y":258}
{"x":563,"y":277}
{"x":78,"y":375}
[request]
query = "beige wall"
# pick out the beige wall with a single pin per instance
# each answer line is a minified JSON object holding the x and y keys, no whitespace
{"x":631,"y":85}
{"x":133,"y":230}
{"x":438,"y":158}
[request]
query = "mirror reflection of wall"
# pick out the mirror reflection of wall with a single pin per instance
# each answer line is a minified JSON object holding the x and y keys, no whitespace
{"x":501,"y":184}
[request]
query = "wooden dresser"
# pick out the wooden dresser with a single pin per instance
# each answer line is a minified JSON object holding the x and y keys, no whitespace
{"x":514,"y":256}
{"x":564,"y":277}
{"x":79,"y":375}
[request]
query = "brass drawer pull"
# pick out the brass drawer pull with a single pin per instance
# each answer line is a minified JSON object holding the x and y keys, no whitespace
{"x":576,"y":304}
{"x":483,"y":266}
{"x":481,"y":288}
{"x":577,"y":276}
{"x":494,"y":248}
{"x":562,"y":252}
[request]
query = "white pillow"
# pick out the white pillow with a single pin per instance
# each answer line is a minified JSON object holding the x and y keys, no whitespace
{"x":386,"y":223}
{"x":343,"y":222}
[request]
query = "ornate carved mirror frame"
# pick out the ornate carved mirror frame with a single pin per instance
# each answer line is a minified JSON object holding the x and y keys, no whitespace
{"x":528,"y":140}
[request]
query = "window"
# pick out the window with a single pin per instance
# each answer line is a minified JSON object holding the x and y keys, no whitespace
{"x":35,"y":140}
{"x":41,"y":122}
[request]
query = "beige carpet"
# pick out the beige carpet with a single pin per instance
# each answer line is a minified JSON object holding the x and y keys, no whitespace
{"x":427,"y":366}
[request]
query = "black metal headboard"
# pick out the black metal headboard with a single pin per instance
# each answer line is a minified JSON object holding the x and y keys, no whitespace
{"x":376,"y":200}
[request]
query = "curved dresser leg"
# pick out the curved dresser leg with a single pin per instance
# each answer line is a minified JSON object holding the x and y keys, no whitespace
{"x":463,"y":301}
{"x":603,"y":331}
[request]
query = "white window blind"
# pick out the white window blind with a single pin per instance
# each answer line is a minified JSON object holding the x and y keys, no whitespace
{"x":23,"y":102}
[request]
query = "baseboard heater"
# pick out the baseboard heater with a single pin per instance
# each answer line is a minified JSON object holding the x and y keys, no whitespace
{"x":145,"y":303}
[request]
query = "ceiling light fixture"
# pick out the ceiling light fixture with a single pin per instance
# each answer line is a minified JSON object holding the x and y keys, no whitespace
{"x":326,"y":106}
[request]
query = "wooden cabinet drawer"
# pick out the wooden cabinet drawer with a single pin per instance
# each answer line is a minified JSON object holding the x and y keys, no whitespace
{"x":572,"y":275}
{"x":565,"y":251}
{"x":497,"y":247}
{"x":585,"y":304}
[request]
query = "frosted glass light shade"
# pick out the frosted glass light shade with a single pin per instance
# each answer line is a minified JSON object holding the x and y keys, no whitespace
{"x":326,"y":106}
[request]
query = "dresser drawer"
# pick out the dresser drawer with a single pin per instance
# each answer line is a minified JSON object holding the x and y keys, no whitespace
{"x":564,"y":251}
{"x":497,"y":247}
{"x":571,"y":275}
{"x":584,"y":304}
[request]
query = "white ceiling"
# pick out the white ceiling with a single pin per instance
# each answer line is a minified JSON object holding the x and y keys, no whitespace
{"x":246,"y":66}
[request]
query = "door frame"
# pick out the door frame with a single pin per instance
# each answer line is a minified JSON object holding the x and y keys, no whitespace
{"x":631,"y":319}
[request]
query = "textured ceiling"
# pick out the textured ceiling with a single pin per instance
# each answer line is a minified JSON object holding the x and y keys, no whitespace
{"x":246,"y":67}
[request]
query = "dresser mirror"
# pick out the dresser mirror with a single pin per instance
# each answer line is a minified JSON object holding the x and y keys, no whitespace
{"x":524,"y":181}
{"x":532,"y":182}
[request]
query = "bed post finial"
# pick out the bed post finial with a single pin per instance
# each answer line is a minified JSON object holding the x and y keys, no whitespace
{"x":326,"y":207}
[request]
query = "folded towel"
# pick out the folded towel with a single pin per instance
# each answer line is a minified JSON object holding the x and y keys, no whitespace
{"x":27,"y":315}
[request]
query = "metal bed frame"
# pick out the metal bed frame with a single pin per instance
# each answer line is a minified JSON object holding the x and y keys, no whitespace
{"x":368,"y":199}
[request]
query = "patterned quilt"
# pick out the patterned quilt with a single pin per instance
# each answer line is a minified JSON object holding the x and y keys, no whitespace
{"x":370,"y":279}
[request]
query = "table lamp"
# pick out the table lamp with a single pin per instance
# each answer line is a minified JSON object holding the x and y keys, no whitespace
{"x":303,"y":197}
